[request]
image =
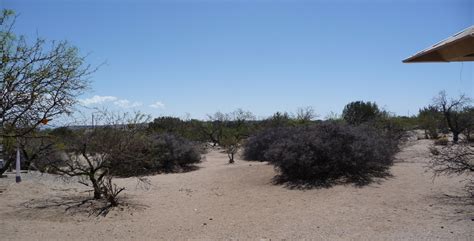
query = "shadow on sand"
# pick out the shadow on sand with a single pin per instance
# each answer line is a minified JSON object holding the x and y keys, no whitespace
{"x":461,"y":205}
{"x":61,"y":208}
{"x":357,"y":181}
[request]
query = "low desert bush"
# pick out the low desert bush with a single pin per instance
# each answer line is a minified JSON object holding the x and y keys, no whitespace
{"x":170,"y":153}
{"x":325,"y":153}
{"x":257,"y":145}
{"x":145,"y":155}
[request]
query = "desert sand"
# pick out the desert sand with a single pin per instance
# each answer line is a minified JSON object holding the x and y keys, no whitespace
{"x":239,"y":201}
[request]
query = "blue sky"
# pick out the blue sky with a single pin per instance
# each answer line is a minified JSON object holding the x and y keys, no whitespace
{"x":198,"y":57}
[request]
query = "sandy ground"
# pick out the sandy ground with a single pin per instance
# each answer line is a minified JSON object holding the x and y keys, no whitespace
{"x":222,"y":201}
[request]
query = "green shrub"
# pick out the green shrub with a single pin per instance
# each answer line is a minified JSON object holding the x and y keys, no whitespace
{"x":358,"y":112}
{"x":431,"y":120}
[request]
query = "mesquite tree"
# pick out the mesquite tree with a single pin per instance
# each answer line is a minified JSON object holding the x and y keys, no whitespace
{"x":235,"y":130}
{"x":358,"y":112}
{"x":213,"y":129}
{"x":90,"y":154}
{"x":304,"y":115}
{"x":453,"y":112}
{"x":39,"y":81}
{"x":454,"y":160}
{"x":430,"y":119}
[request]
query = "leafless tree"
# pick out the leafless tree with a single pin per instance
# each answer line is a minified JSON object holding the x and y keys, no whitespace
{"x":305,"y":114}
{"x":454,"y":160}
{"x":39,"y":80}
{"x":111,"y":191}
{"x":37,"y":147}
{"x":90,"y":154}
{"x":452,"y":110}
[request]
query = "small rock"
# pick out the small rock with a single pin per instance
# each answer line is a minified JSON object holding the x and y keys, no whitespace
{"x":204,"y":224}
{"x":210,"y":219}
{"x":442,"y":227}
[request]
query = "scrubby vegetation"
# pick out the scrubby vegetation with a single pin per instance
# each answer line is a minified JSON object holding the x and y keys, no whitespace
{"x":127,"y":150}
{"x":355,"y":147}
{"x":121,"y":147}
{"x":325,"y":153}
{"x":257,"y":145}
{"x":92,"y":155}
{"x":169,"y":153}
{"x":358,"y":112}
{"x":430,"y":120}
{"x":454,"y":160}
{"x":456,"y":112}
{"x":457,"y":157}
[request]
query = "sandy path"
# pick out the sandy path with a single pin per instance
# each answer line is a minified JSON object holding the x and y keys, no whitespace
{"x":221,"y":201}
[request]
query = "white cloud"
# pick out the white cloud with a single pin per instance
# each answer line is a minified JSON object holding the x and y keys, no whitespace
{"x":97,"y":99}
{"x":157,"y":105}
{"x":127,"y":104}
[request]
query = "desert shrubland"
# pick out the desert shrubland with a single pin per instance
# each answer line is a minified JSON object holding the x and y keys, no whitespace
{"x":325,"y":153}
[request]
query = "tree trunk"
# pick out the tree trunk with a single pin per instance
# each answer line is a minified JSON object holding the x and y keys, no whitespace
{"x":7,"y":164}
{"x":95,"y":185}
{"x":455,"y":137}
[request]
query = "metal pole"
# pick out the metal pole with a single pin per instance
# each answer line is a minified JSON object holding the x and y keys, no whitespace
{"x":18,"y":177}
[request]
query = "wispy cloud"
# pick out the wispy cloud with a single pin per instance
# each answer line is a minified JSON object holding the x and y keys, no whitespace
{"x":127,"y":104}
{"x":97,"y":99}
{"x":107,"y":99}
{"x":157,"y":105}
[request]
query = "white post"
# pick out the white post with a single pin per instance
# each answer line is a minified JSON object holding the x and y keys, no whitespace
{"x":18,"y":177}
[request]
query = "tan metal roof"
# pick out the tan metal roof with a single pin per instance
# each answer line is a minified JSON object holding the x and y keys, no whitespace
{"x":459,"y":47}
